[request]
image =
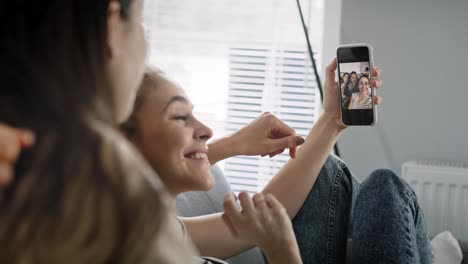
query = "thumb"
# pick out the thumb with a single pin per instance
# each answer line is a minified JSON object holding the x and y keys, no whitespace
{"x":287,"y":142}
{"x":330,"y":70}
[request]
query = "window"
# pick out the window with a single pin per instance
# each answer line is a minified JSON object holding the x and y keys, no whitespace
{"x":237,"y":59}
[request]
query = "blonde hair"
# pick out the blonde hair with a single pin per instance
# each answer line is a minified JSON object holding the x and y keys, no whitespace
{"x":110,"y":208}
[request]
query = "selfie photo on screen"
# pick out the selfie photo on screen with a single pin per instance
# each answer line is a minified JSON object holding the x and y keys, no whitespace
{"x":355,"y":85}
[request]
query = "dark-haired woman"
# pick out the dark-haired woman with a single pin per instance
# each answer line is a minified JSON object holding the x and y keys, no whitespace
{"x":343,"y":82}
{"x":349,"y":88}
{"x":82,"y":194}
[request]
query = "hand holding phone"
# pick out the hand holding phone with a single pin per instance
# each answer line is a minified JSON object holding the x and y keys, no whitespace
{"x":357,"y":104}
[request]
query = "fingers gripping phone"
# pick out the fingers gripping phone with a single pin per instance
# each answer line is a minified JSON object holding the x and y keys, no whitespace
{"x":355,"y":64}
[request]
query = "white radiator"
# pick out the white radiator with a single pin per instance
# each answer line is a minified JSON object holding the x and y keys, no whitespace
{"x":442,"y":190}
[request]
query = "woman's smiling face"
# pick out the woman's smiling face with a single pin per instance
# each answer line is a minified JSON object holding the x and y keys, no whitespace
{"x":170,"y":137}
{"x":363,"y":84}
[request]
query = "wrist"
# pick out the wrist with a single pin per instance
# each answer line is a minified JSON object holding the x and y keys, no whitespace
{"x":220,"y":149}
{"x":232,"y":146}
{"x":332,"y":122}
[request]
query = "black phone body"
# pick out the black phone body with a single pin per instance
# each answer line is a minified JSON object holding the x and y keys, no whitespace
{"x":355,"y":64}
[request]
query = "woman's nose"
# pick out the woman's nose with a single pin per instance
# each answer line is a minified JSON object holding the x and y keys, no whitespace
{"x":203,"y":132}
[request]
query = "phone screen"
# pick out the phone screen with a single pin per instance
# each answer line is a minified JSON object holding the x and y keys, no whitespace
{"x":355,"y":82}
{"x":354,"y":69}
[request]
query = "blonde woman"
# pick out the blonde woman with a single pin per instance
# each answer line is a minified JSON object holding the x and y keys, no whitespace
{"x":316,"y":190}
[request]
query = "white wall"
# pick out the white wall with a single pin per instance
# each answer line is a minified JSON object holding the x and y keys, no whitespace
{"x":422,"y":48}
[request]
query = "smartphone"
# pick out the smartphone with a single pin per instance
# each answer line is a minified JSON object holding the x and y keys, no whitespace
{"x":355,"y":64}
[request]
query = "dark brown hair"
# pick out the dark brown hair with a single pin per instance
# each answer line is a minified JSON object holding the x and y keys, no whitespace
{"x":82,"y":194}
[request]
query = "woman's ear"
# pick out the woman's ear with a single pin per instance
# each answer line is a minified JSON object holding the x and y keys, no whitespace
{"x":114,"y":28}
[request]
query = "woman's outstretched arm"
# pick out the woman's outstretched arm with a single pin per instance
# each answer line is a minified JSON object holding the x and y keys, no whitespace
{"x":291,"y":184}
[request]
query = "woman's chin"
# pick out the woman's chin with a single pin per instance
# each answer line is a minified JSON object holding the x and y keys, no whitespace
{"x":205,"y":182}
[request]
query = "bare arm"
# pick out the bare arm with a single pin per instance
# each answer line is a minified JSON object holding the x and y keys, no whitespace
{"x":293,"y":182}
{"x":212,"y":237}
{"x":266,"y":135}
{"x":220,"y":149}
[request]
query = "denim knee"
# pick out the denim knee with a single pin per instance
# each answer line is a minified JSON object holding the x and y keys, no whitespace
{"x":384,"y":181}
{"x":388,"y":222}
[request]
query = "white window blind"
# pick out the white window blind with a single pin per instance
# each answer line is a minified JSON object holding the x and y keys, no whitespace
{"x":237,"y":59}
{"x":262,"y":79}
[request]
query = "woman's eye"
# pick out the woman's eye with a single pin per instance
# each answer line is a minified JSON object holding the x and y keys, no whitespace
{"x":181,"y":117}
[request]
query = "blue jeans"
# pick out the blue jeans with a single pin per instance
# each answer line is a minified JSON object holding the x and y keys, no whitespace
{"x":381,"y":214}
